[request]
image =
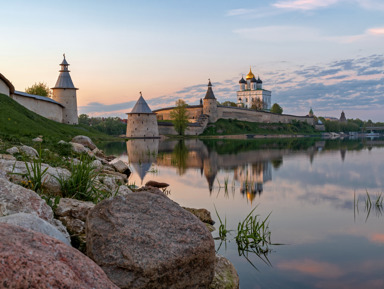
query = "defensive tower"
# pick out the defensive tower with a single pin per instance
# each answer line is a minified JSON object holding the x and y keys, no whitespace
{"x":210,"y":104}
{"x":64,"y":93}
{"x":142,"y":122}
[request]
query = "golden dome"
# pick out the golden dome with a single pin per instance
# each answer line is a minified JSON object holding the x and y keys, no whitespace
{"x":250,"y":74}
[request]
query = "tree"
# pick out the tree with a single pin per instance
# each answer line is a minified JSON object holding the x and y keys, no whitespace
{"x":229,"y":103}
{"x":257,"y":104}
{"x":40,"y":88}
{"x":179,"y":117}
{"x":276,"y":108}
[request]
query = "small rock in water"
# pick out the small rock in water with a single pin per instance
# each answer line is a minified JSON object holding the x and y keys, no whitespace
{"x":156,"y":184}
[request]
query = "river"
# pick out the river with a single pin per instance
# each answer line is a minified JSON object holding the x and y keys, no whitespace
{"x":325,"y":232}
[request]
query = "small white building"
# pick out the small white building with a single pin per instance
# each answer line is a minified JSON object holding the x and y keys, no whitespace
{"x":251,"y":91}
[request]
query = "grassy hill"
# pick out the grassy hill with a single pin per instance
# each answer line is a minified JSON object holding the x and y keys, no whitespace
{"x":18,"y":124}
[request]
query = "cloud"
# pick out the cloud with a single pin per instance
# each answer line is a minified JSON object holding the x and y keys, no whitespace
{"x":304,"y":4}
{"x":281,"y":34}
{"x":355,"y":85}
{"x":312,"y":268}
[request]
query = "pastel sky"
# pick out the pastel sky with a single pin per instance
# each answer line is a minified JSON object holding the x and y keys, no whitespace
{"x":324,"y":54}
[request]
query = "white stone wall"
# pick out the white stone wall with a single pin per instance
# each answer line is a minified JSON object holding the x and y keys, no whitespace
{"x":4,"y":89}
{"x":142,"y":125}
{"x":260,"y":116}
{"x":44,"y":108}
{"x":67,"y":97}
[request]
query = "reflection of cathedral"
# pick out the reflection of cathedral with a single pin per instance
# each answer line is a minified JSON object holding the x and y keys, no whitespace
{"x":252,"y":177}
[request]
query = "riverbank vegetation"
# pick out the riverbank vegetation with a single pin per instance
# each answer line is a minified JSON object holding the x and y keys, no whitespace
{"x":233,"y":126}
{"x":20,"y":125}
{"x":350,"y":125}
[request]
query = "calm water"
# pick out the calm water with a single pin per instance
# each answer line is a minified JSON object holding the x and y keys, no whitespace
{"x":309,"y":187}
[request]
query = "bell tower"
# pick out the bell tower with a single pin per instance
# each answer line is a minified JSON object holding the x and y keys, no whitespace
{"x":64,"y":92}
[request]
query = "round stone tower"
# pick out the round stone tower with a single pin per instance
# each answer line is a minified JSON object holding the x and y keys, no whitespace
{"x":64,"y":92}
{"x":142,"y":122}
{"x":210,"y":104}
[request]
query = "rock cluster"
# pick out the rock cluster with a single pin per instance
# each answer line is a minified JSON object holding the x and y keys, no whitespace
{"x":137,"y":239}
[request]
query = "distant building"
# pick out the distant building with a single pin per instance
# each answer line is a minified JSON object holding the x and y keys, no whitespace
{"x":310,"y":114}
{"x":342,"y":117}
{"x":251,"y":91}
{"x":62,"y":107}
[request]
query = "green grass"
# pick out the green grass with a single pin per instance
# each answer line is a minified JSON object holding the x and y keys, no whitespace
{"x":18,"y":124}
{"x":233,"y":127}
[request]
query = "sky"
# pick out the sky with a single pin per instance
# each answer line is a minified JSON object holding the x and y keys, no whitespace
{"x":322,"y":54}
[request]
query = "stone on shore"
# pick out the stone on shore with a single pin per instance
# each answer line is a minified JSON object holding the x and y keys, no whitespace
{"x":85,"y":141}
{"x":17,"y":199}
{"x":33,"y":260}
{"x":29,"y":151}
{"x":79,"y":148}
{"x":13,"y":150}
{"x":36,"y":224}
{"x":146,"y":240}
{"x":203,"y":214}
{"x":225,"y":275}
{"x":121,"y":167}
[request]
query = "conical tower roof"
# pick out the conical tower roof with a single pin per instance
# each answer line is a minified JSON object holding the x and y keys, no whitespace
{"x":141,"y":106}
{"x":209,"y":94}
{"x":64,"y":80}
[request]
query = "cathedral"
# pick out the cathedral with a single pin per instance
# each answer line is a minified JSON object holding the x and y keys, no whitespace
{"x":252,"y":93}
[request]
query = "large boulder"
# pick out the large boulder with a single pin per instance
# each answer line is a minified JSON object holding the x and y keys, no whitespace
{"x":85,"y":141}
{"x":17,"y":199}
{"x":36,"y":224}
{"x":225,"y":275}
{"x":33,"y":260}
{"x":145,"y":240}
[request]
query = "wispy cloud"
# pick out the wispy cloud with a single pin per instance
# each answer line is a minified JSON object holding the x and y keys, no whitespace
{"x":304,"y":4}
{"x":348,"y":84}
{"x":281,"y":34}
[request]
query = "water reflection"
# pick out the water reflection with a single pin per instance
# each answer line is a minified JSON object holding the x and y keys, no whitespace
{"x":251,"y":163}
{"x":309,"y":187}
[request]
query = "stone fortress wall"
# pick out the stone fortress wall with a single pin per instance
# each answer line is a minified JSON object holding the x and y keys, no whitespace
{"x":62,"y":107}
{"x":47,"y":109}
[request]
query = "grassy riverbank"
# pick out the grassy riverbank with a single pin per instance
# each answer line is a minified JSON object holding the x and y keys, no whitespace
{"x":20,"y":125}
{"x":235,"y":127}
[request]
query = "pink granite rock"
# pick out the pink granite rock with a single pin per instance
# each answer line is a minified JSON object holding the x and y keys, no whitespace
{"x":146,"y":240}
{"x":33,"y":260}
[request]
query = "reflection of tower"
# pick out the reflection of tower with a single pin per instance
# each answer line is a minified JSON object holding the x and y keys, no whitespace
{"x":210,"y":169}
{"x":342,"y":153}
{"x":252,"y":177}
{"x":141,"y":154}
